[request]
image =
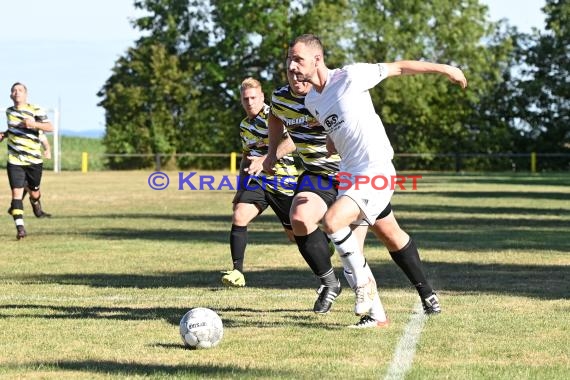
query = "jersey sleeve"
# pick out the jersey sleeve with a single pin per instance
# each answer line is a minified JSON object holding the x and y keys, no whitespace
{"x":242,"y":137}
{"x":367,"y":75}
{"x":40,"y":115}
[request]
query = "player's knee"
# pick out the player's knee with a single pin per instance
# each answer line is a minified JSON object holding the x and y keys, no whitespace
{"x":240,"y":219}
{"x":329,"y":225}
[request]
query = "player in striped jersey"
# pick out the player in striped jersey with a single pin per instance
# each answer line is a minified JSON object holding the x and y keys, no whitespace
{"x":316,"y":187}
{"x":25,"y":165}
{"x":258,"y":190}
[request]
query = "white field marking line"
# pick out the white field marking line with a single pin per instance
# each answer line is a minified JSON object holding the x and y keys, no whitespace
{"x":406,"y":348}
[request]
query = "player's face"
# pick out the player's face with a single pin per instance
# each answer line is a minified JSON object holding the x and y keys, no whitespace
{"x":252,"y":101}
{"x":19,"y":94}
{"x":298,"y":87}
{"x":302,"y":62}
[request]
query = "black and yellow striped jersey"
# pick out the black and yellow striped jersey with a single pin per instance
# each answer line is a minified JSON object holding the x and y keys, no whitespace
{"x":24,"y":146}
{"x":254,"y":135}
{"x":305,"y":131}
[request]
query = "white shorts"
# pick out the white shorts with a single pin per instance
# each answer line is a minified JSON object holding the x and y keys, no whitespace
{"x":371,"y":191}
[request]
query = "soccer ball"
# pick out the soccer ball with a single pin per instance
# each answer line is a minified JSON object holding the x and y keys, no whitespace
{"x":201,"y":328}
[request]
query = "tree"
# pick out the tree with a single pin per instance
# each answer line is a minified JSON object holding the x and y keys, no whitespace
{"x":176,"y":90}
{"x":425,"y":114}
{"x":546,"y":87}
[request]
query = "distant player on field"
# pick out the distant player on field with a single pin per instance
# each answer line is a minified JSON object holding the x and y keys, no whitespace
{"x":25,"y":165}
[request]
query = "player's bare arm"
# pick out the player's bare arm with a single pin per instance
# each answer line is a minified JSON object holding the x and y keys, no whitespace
{"x":331,"y":149}
{"x":244,"y":164}
{"x":419,"y":67}
{"x":32,"y":124}
{"x":275,"y":133}
{"x":285,"y":146}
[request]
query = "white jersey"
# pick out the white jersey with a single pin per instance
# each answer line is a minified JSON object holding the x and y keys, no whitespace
{"x":345,"y":110}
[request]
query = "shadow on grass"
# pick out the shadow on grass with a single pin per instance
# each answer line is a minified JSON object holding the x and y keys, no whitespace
{"x":232,"y":316}
{"x":461,"y":233}
{"x":495,"y":194}
{"x":458,"y":211}
{"x":562,"y":179}
{"x":538,"y":281}
{"x":155,"y":370}
{"x":256,"y":234}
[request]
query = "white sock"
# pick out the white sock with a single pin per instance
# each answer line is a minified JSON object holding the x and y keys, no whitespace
{"x":352,"y":259}
{"x":377,"y":311}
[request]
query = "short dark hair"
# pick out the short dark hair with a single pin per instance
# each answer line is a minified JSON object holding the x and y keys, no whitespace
{"x":310,"y":40}
{"x":18,"y":84}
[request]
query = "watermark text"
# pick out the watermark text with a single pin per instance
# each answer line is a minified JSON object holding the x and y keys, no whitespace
{"x":342,"y":181}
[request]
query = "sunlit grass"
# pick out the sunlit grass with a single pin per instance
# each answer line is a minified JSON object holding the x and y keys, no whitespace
{"x":98,"y":290}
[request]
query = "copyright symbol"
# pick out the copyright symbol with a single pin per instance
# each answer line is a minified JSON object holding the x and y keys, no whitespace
{"x":158,"y":181}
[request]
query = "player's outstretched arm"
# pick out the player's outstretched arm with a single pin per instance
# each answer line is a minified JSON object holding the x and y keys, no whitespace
{"x":420,"y":67}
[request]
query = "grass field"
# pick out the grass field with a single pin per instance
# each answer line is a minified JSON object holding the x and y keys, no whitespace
{"x":97,"y":291}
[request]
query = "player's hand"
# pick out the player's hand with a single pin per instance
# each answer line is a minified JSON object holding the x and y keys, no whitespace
{"x":456,"y":76}
{"x":331,"y":149}
{"x":47,"y":155}
{"x":255,"y":165}
{"x":269,"y":163}
{"x":28,"y":123}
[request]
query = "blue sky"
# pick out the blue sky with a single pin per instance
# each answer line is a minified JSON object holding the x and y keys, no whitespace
{"x":64,"y":50}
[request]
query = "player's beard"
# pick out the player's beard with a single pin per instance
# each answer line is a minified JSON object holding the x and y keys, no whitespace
{"x":300,"y":77}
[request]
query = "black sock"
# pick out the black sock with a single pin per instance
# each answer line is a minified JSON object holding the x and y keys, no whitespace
{"x":238,"y":242}
{"x":315,"y":250}
{"x":408,"y":259}
{"x":17,"y":209}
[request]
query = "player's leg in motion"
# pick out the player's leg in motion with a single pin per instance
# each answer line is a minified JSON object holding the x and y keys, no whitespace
{"x":307,"y":210}
{"x":336,"y":224}
{"x":35,"y":196}
{"x":377,"y":316}
{"x":244,"y":212}
{"x":32,"y":186}
{"x":17,"y":178}
{"x":405,"y":254}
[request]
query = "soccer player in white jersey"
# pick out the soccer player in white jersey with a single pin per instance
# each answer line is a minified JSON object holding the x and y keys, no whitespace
{"x":341,"y":102}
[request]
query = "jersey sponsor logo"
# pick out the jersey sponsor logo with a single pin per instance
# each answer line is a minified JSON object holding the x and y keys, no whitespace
{"x":297,"y":121}
{"x":332,"y":123}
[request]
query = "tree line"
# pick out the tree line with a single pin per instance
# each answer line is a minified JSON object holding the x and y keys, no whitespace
{"x":176,"y":90}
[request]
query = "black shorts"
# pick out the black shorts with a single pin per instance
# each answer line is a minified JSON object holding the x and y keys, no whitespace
{"x":21,"y":176}
{"x":324,"y":186}
{"x":279,"y":203}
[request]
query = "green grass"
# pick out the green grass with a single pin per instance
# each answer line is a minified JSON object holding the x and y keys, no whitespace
{"x":97,"y":291}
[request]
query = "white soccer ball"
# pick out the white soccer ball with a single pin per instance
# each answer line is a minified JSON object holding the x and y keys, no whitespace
{"x":201,"y":328}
